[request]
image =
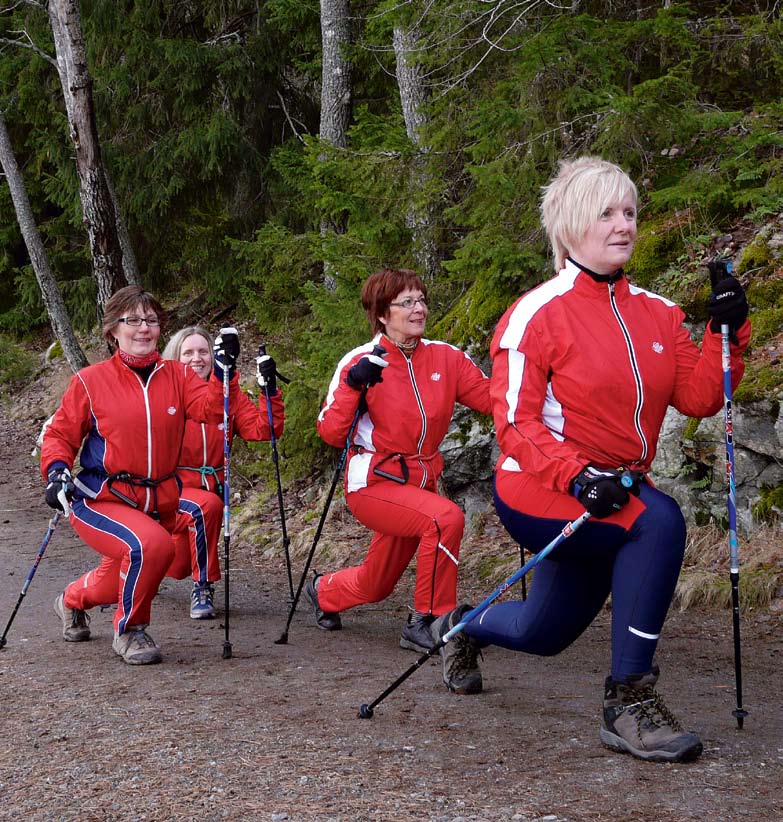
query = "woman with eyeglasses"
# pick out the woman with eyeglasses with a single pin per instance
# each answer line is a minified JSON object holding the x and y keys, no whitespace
{"x":200,"y":467}
{"x":125,"y":418}
{"x":394,"y":463}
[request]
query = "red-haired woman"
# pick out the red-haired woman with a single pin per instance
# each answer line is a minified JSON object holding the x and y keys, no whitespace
{"x":394,"y":462}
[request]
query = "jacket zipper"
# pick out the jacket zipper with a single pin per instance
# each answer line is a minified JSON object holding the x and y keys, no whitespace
{"x":423,"y":421}
{"x":637,"y":421}
{"x":149,"y":431}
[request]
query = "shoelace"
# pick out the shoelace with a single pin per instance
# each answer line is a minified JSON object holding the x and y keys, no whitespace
{"x":466,"y":656}
{"x":79,"y":619}
{"x":201,"y":596}
{"x":652,"y":707}
{"x":141,"y":639}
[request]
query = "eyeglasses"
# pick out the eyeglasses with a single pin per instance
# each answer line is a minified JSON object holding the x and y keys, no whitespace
{"x":409,"y":302}
{"x":135,"y":322}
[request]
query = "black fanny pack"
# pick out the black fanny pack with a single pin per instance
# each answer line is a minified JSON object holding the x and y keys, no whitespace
{"x":402,"y":479}
{"x":138,"y":482}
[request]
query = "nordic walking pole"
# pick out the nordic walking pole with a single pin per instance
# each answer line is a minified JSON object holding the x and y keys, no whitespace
{"x":275,"y":459}
{"x":378,"y":351}
{"x":718,"y":270}
{"x":227,"y":651}
{"x":52,"y":525}
{"x":367,"y":710}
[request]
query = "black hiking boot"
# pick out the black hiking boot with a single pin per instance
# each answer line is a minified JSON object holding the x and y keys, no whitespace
{"x":325,"y":620}
{"x":416,"y":634}
{"x":461,"y":672}
{"x":637,"y":722}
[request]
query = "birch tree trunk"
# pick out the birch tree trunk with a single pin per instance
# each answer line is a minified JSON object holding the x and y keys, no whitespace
{"x":98,"y":210}
{"x":336,"y":91}
{"x":420,"y":219}
{"x":53,"y":300}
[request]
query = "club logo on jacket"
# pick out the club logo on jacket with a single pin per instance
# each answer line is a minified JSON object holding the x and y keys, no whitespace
{"x":657,"y":347}
{"x":435,"y":376}
{"x":171,"y":410}
{"x":220,"y":426}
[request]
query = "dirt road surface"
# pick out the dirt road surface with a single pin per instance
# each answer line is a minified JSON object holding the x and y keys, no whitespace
{"x":273,"y":733}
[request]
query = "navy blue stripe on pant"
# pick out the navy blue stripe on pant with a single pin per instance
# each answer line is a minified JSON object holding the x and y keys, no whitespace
{"x":638,"y":566}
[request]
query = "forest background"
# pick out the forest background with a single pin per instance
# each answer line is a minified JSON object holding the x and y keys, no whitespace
{"x":265,"y":157}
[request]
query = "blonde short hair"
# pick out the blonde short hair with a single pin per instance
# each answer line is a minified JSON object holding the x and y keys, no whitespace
{"x":576,"y":196}
{"x":174,"y":346}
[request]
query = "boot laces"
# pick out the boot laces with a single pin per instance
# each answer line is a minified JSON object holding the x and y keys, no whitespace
{"x":652,"y":709}
{"x":202,"y":594}
{"x":79,"y":618}
{"x":466,"y":656}
{"x":140,"y":639}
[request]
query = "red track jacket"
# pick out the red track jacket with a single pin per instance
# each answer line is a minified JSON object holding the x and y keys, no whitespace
{"x":583,"y":372}
{"x":408,"y":413}
{"x":201,"y":458}
{"x":122,"y":425}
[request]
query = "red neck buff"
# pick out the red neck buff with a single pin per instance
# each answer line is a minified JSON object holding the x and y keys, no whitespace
{"x":138,"y":362}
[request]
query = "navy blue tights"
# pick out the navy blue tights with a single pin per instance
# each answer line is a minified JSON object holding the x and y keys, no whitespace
{"x":638,"y":566}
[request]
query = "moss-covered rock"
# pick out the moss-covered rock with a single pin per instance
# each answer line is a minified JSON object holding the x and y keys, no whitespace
{"x":658,"y":243}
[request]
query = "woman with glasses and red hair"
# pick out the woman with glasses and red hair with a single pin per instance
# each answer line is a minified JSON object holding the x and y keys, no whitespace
{"x":125,"y":417}
{"x":394,"y":463}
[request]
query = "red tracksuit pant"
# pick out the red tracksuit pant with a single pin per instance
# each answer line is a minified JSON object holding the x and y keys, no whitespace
{"x":405,"y":519}
{"x":196,"y":536}
{"x":137,"y":550}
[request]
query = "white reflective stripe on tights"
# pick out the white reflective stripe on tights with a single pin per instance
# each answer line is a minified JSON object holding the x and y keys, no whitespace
{"x":642,"y":634}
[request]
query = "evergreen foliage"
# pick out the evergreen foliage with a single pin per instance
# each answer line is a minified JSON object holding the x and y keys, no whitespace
{"x":208,"y":115}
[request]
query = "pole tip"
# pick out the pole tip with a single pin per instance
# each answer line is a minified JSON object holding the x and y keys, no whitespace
{"x":366,"y":712}
{"x":282,"y":639}
{"x":739,"y":714}
{"x":226,"y":650}
{"x":3,"y":641}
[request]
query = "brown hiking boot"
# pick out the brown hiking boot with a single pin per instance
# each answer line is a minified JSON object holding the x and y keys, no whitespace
{"x":637,"y":722}
{"x":76,"y":623}
{"x":461,"y":672}
{"x":136,"y":646}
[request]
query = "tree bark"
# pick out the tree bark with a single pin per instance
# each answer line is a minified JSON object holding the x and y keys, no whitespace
{"x":97,"y":204}
{"x":336,"y":91}
{"x":421,"y":220}
{"x":53,"y":300}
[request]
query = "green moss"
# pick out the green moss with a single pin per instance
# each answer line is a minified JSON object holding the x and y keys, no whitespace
{"x":764,"y":293}
{"x":759,"y":382}
{"x":757,"y":258}
{"x":767,"y":323}
{"x":769,"y":508}
{"x":691,"y":427}
{"x":16,"y":364}
{"x":657,"y":244}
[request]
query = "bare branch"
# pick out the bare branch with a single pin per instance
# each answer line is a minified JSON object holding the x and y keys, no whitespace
{"x":28,"y":44}
{"x":288,"y":117}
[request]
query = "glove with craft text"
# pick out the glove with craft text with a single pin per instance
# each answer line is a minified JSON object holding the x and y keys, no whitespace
{"x":728,"y":306}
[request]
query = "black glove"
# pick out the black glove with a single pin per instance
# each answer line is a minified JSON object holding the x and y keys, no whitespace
{"x":60,"y":483}
{"x":226,"y":351}
{"x":604,"y":491}
{"x":728,"y":305}
{"x":266,"y":371}
{"x":367,"y":371}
